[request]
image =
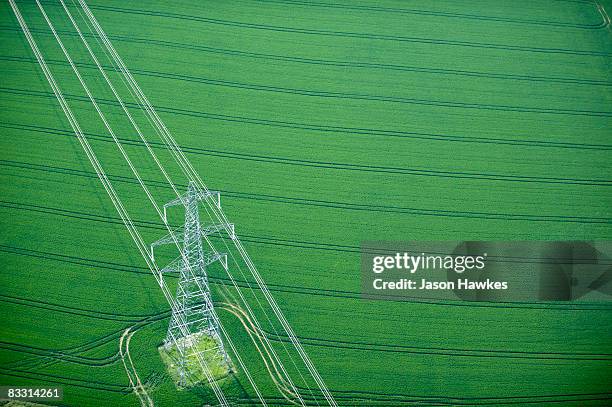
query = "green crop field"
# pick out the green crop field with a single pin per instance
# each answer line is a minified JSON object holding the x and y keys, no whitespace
{"x":323,"y":124}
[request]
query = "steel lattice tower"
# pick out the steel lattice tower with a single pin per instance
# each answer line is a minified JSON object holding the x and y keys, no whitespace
{"x":194,"y":311}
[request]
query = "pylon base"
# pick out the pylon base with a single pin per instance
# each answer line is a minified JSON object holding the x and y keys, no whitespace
{"x":190,"y":373}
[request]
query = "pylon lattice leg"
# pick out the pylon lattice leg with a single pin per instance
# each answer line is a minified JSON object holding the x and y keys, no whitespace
{"x":194,"y":311}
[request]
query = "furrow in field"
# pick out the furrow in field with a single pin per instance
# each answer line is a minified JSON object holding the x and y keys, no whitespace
{"x":464,"y":16}
{"x":73,"y":310}
{"x":326,"y":62}
{"x":65,"y":380}
{"x":323,"y":203}
{"x":453,"y":352}
{"x":59,"y":355}
{"x":361,"y":96}
{"x":348,"y":34}
{"x":309,"y":291}
{"x":346,"y":166}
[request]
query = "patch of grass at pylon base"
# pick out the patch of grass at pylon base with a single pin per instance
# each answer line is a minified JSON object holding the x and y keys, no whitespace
{"x":207,"y":347}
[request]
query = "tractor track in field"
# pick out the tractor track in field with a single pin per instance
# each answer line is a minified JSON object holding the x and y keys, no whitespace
{"x":354,"y":96}
{"x":324,"y":203}
{"x":365,"y":398}
{"x":58,"y":355}
{"x":254,"y":334}
{"x":429,"y":400}
{"x":388,"y":398}
{"x":294,"y":289}
{"x":252,"y":330}
{"x":72,"y":353}
{"x":344,"y":166}
{"x":259,"y":240}
{"x":439,"y":351}
{"x":394,"y":10}
{"x":604,"y":14}
{"x":304,"y":244}
{"x":137,"y":387}
{"x":64,"y":380}
{"x":331,"y":95}
{"x":272,"y":240}
{"x":30,"y":302}
{"x":348,"y":34}
{"x":96,"y":217}
{"x":356,"y":131}
{"x":315,"y":62}
{"x":421,"y":350}
{"x":44,"y":361}
{"x":341,"y":394}
{"x":471,"y":401}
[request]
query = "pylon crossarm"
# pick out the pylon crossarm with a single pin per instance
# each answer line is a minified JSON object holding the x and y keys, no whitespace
{"x":176,"y":201}
{"x":194,"y":315}
{"x":174,"y":266}
{"x":213,"y":257}
{"x":170,"y":238}
{"x":206,"y":194}
{"x":209,"y":230}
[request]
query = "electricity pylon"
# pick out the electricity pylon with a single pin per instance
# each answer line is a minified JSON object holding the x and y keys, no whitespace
{"x":194,"y":313}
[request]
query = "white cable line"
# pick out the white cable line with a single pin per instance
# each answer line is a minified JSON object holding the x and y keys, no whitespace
{"x":221,"y":216}
{"x":107,"y":185}
{"x":112,"y":88}
{"x":173,"y":148}
{"x":288,"y":380}
{"x":140,"y":95}
{"x":98,"y":110}
{"x":136,"y":127}
{"x":100,"y":113}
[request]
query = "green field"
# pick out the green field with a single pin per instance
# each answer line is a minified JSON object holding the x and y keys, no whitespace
{"x":323,"y":124}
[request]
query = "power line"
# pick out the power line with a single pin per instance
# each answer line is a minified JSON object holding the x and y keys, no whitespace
{"x":193,"y":176}
{"x":213,"y":209}
{"x":103,"y":178}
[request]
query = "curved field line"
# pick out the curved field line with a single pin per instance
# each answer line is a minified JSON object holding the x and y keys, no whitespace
{"x":604,"y":14}
{"x":135,"y":383}
{"x":73,"y":310}
{"x":129,"y":375}
{"x":327,"y":62}
{"x":347,"y":166}
{"x":603,"y":23}
{"x":326,"y":292}
{"x":335,"y":130}
{"x":55,"y":354}
{"x":454,"y":352}
{"x":330,"y":204}
{"x":358,"y":96}
{"x":347,"y":34}
{"x":138,"y":382}
{"x":69,"y":353}
{"x":69,"y":381}
{"x":251,"y":329}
